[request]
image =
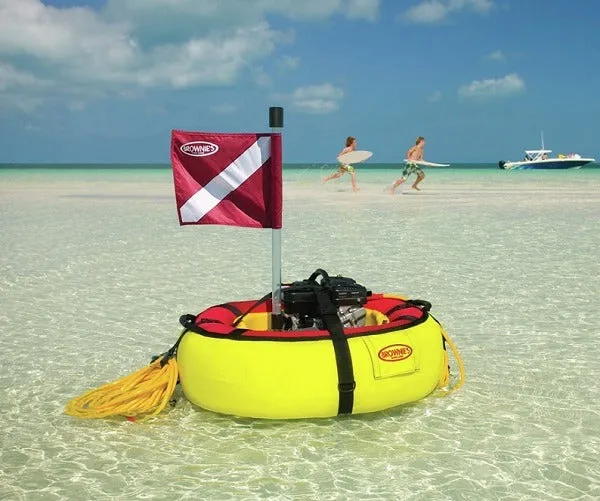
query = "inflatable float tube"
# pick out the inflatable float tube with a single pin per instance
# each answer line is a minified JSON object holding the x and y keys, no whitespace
{"x":231,"y":363}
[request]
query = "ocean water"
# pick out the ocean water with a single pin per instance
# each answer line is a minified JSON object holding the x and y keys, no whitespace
{"x":95,"y":272}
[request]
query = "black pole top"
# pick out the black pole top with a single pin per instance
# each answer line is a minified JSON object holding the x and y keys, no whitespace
{"x":276,"y":117}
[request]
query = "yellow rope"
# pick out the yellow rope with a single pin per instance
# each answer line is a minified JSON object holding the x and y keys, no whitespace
{"x":445,"y":377}
{"x":137,"y":396}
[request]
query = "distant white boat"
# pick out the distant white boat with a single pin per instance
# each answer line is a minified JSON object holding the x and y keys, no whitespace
{"x":541,"y":159}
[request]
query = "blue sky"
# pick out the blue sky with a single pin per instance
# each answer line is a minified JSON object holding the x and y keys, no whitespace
{"x":107,"y":80}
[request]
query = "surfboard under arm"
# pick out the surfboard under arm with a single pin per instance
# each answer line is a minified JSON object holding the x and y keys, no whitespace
{"x":424,"y":163}
{"x":355,"y":156}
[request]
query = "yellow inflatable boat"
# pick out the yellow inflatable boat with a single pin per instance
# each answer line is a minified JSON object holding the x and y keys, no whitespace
{"x":337,"y":349}
{"x":390,"y":352}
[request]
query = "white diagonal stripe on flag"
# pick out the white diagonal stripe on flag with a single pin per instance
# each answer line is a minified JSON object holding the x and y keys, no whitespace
{"x":230,"y":178}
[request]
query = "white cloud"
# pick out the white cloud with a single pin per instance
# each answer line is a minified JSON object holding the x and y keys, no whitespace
{"x":497,"y":55}
{"x":76,"y":106}
{"x":289,"y":62}
{"x":200,"y":61}
{"x":261,"y":77}
{"x":317,"y":99}
{"x":12,"y":77}
{"x":129,"y":45}
{"x":81,"y":48}
{"x":26,"y":103}
{"x":319,"y":9}
{"x":492,"y":88}
{"x":363,"y":9}
{"x":435,"y":97}
{"x":435,"y":11}
{"x":430,"y":11}
{"x":20,"y":89}
{"x":479,"y":6}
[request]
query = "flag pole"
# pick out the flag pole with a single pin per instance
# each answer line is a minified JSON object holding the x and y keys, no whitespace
{"x":276,"y":124}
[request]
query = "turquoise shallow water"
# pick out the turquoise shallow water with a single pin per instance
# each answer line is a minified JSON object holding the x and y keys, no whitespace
{"x":95,"y":272}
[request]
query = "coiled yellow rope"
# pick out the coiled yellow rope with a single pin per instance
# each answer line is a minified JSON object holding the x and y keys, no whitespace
{"x":137,"y":396}
{"x":445,"y":377}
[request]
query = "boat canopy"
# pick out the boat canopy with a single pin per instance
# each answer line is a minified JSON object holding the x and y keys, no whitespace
{"x":534,"y":155}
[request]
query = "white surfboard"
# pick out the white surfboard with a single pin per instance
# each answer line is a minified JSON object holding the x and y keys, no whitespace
{"x":355,"y":156}
{"x":424,"y":163}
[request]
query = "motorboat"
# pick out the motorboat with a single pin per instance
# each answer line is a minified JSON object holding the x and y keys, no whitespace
{"x":542,"y":159}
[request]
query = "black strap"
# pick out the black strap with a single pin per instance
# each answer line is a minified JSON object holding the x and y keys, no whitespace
{"x":343,"y":357}
{"x":318,"y":272}
{"x":252,"y":307}
{"x":172,"y":351}
{"x":187,"y":320}
{"x":421,"y":303}
{"x":410,"y":303}
{"x":228,"y":306}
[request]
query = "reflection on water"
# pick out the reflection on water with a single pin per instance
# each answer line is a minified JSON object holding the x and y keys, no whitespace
{"x":95,"y":272}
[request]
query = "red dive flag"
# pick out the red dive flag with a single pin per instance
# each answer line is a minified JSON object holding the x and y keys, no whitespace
{"x":230,"y":179}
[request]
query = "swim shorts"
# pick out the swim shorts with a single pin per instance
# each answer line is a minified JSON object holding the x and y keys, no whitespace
{"x":411,"y":168}
{"x":346,"y":168}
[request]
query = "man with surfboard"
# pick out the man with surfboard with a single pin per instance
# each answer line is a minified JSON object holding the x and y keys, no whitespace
{"x":414,"y":154}
{"x":350,"y":147}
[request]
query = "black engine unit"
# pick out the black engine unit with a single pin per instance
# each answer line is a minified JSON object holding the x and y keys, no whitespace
{"x":300,"y":298}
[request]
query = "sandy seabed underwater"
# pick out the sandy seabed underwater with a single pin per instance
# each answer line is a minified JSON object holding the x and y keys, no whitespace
{"x":95,"y":272}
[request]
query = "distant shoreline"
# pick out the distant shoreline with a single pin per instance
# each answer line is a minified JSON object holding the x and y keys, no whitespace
{"x":286,"y":166}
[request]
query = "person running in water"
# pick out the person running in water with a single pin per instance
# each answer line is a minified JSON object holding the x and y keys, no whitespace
{"x":414,"y":153}
{"x":350,"y":146}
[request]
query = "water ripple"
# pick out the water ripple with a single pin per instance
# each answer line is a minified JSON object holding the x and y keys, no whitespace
{"x":94,"y":276}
